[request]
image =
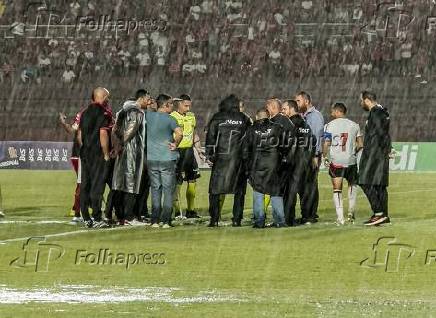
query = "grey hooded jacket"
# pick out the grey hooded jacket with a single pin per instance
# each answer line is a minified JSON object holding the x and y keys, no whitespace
{"x":130,"y":141}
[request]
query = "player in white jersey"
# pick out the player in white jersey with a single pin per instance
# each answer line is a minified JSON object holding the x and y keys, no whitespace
{"x":342,"y":141}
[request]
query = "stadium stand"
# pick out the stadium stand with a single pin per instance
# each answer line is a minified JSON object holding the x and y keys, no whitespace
{"x":54,"y":51}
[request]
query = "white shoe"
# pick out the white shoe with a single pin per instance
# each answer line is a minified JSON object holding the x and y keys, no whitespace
{"x":155,"y":225}
{"x":136,"y":223}
{"x":340,"y":222}
{"x":100,"y":225}
{"x":76,"y":220}
{"x":166,"y":226}
{"x":2,"y":215}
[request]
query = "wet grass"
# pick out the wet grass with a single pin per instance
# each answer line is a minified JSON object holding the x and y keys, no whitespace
{"x":296,"y":272}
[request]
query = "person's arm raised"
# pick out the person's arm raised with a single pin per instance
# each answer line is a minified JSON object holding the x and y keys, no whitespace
{"x":68,"y":128}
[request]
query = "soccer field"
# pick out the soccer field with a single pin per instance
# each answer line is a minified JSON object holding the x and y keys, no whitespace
{"x":193,"y":271}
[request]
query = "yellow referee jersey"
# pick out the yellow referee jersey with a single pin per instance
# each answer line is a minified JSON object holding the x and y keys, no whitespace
{"x":187,"y":123}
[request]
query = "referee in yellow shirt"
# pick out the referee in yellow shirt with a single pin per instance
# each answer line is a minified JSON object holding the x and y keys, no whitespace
{"x":187,"y":167}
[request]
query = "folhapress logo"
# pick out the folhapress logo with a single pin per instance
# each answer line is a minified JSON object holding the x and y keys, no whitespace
{"x":388,"y":255}
{"x":38,"y":254}
{"x":106,"y":256}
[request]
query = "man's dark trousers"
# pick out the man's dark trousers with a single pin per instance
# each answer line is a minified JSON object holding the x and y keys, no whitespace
{"x":238,"y":207}
{"x":377,"y":196}
{"x":95,"y":172}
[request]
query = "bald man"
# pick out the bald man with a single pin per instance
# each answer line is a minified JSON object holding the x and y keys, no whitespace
{"x":93,"y":137}
{"x":274,"y":108}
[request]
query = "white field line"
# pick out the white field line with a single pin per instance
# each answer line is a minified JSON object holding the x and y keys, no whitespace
{"x":95,"y":294}
{"x":34,"y":222}
{"x":66,"y":234}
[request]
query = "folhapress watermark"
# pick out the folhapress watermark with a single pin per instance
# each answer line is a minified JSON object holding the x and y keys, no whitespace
{"x":108,"y":257}
{"x":42,"y":22}
{"x":392,"y":256}
{"x":388,"y":255}
{"x":39,"y":256}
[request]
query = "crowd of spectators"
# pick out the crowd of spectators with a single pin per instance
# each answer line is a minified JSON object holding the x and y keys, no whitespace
{"x":236,"y":40}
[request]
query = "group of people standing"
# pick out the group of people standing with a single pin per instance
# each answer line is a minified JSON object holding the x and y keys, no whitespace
{"x":148,"y":148}
{"x":276,"y":154}
{"x":145,"y":148}
{"x":280,"y":155}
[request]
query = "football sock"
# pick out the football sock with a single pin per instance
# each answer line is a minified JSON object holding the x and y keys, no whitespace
{"x":266,"y":202}
{"x":352,"y":197}
{"x":337,"y":199}
{"x":76,"y":206}
{"x":190,"y":196}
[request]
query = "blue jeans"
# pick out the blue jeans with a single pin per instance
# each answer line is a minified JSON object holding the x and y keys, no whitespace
{"x":259,"y":210}
{"x":162,"y":184}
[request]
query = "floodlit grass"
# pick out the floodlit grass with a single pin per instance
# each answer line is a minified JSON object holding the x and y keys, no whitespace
{"x":221,"y":272}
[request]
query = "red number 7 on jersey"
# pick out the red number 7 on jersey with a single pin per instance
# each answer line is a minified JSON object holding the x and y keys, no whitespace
{"x":344,"y":138}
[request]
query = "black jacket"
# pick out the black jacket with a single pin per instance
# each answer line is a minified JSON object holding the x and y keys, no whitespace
{"x":263,"y":154}
{"x":374,"y":163}
{"x":288,"y":135}
{"x":304,"y":146}
{"x":224,"y":140}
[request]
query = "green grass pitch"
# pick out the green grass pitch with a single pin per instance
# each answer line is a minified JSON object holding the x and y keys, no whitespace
{"x":310,"y":271}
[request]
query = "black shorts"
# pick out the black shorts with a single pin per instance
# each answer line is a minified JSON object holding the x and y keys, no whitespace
{"x":187,"y":167}
{"x":349,"y":173}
